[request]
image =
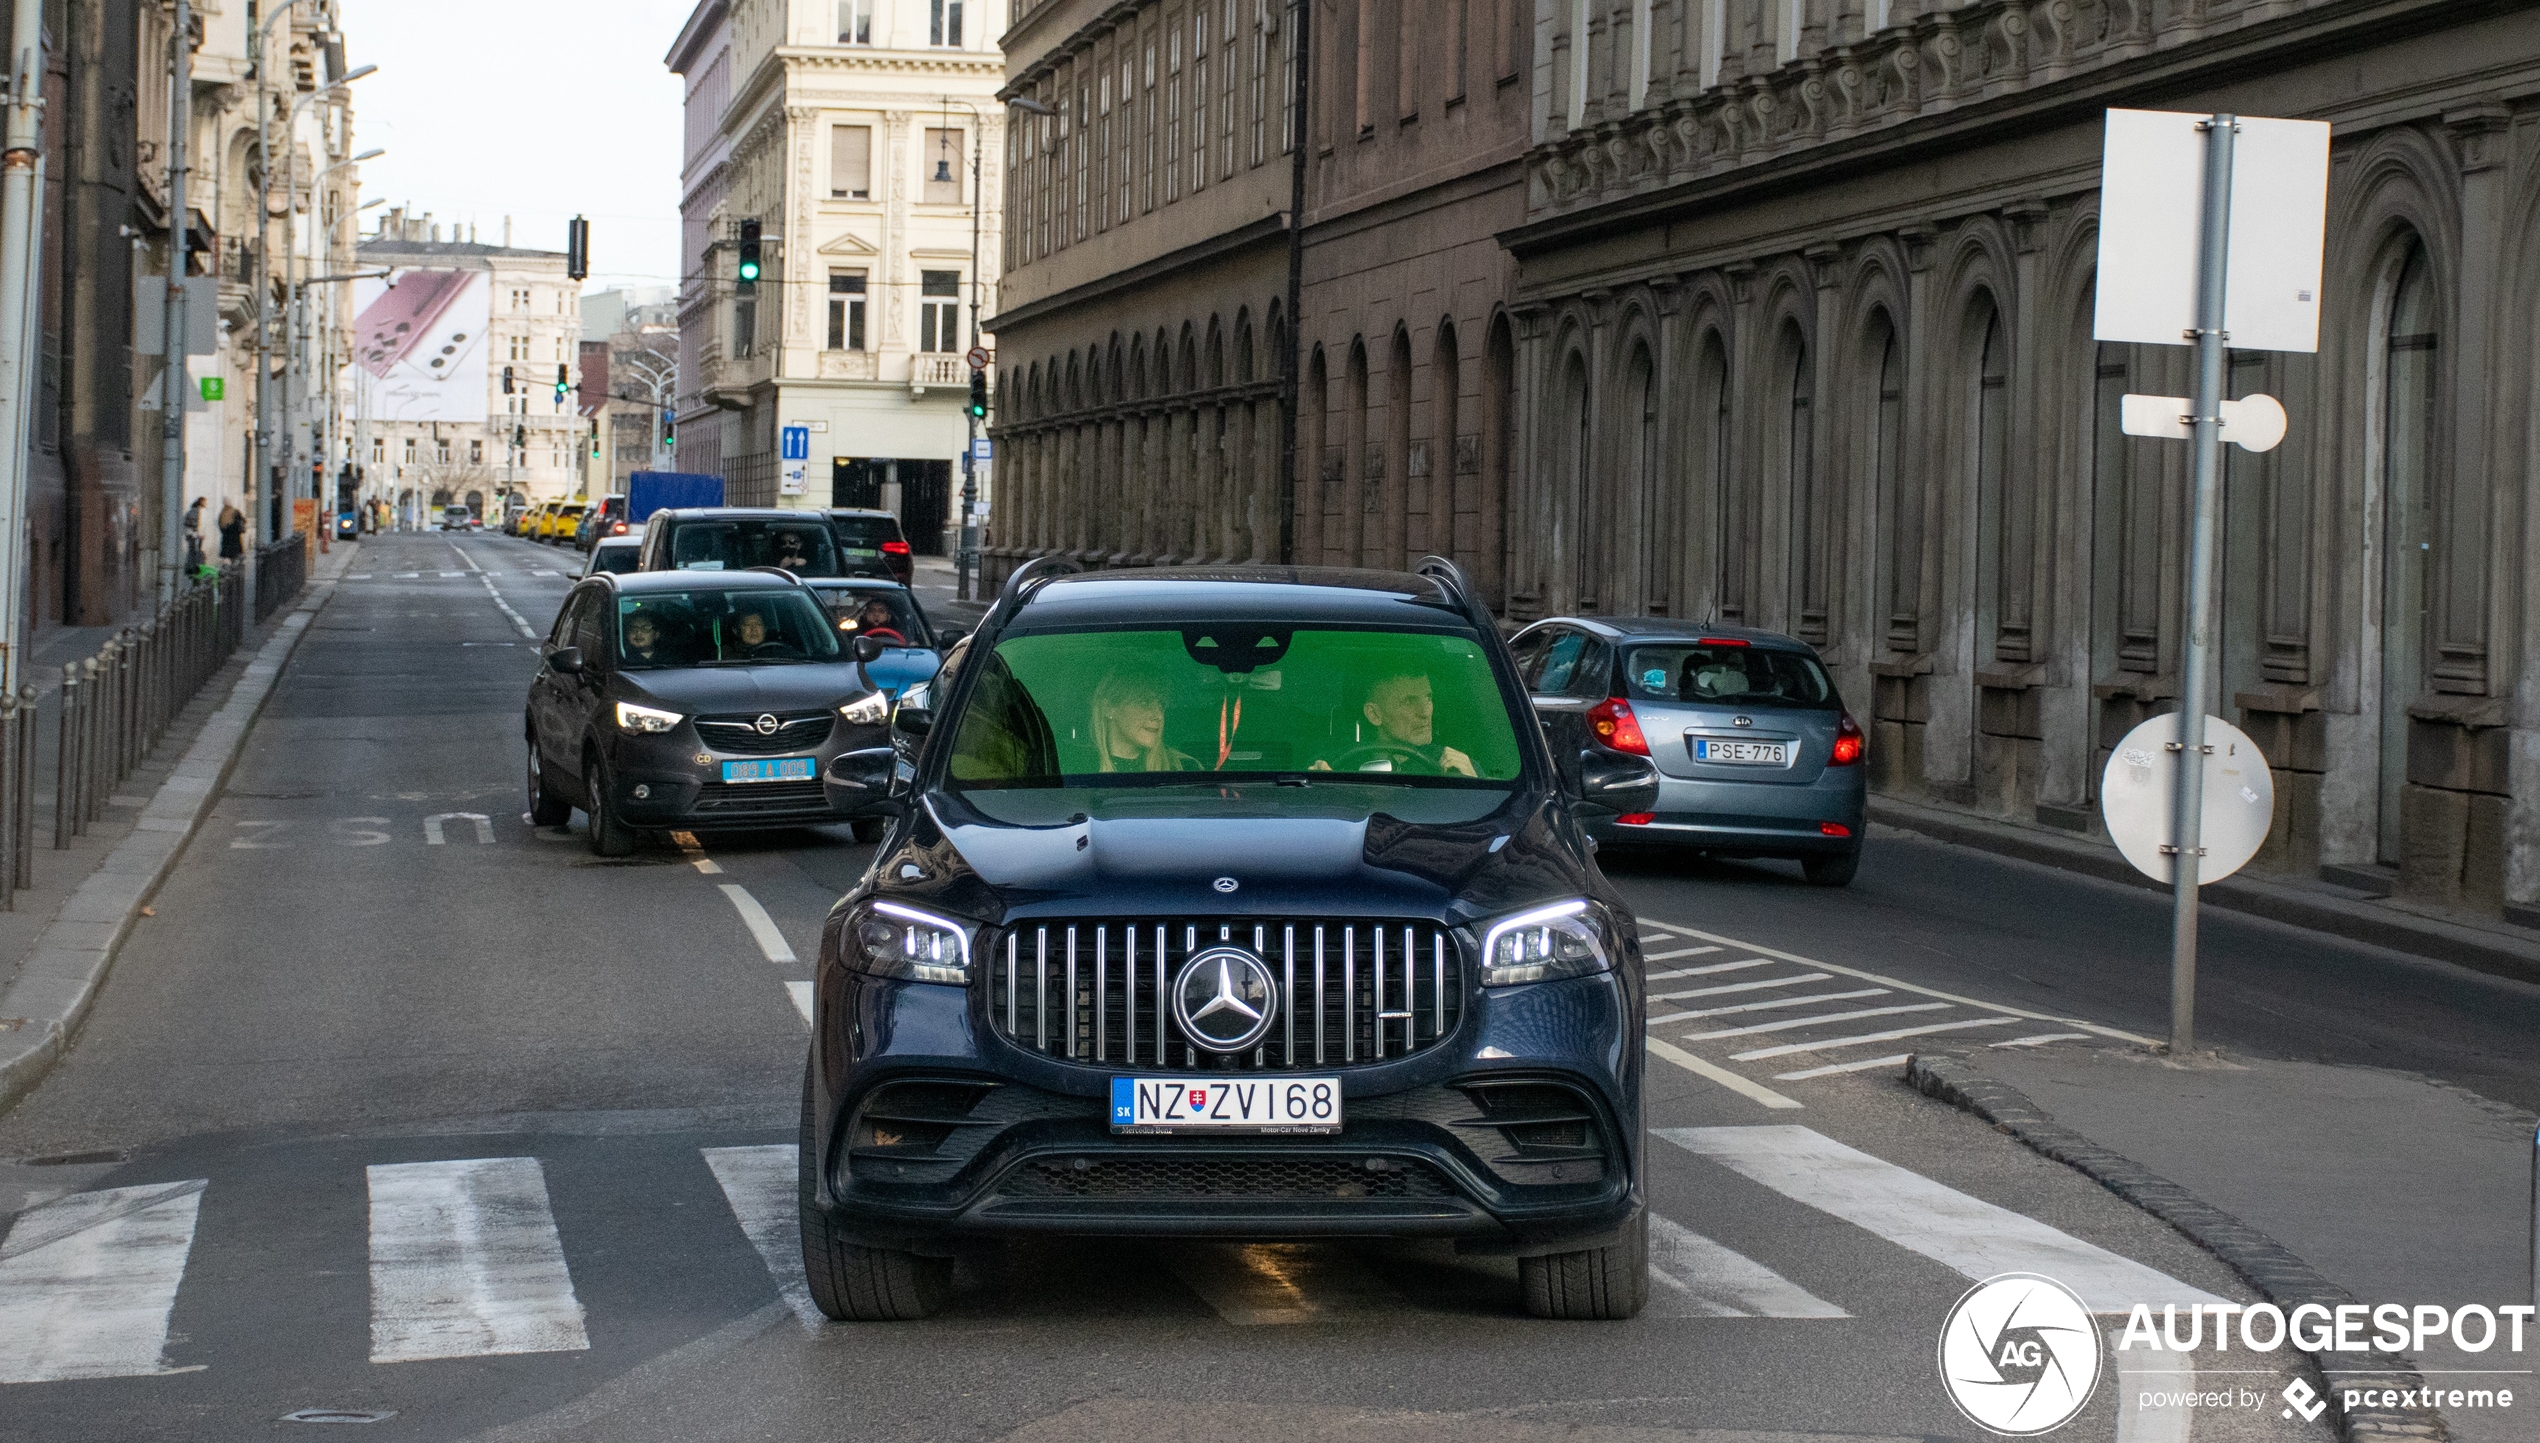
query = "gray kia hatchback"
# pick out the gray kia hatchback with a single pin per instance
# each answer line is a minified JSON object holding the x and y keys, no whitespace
{"x":1756,"y":755}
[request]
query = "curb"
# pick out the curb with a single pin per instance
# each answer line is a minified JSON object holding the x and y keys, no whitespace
{"x":2280,"y":1277}
{"x":2427,"y":937}
{"x":72,"y":955}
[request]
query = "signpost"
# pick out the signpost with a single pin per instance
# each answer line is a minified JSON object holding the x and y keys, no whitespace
{"x":2186,"y":256}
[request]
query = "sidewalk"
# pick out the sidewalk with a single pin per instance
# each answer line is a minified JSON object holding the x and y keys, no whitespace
{"x":933,"y":581}
{"x":58,"y":942}
{"x":2384,"y":1186}
{"x":2485,"y":944}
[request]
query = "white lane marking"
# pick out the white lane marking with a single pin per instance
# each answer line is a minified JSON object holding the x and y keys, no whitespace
{"x":87,"y":1282}
{"x":1899,"y":1060}
{"x":2044,"y":1037}
{"x":1802,"y":1000}
{"x":708,"y":865}
{"x":1647,"y":927}
{"x":1279,"y":1282}
{"x":1767,"y":983}
{"x":406,"y":575}
{"x":1714,"y":967}
{"x":1952,"y":1228}
{"x":762,"y":926}
{"x":1673,"y":953}
{"x":761,"y":1185}
{"x":1885,"y":981}
{"x":432,"y":835}
{"x":1820,"y":1019}
{"x":801,"y":993}
{"x":453,"y":575}
{"x":2140,"y":1375}
{"x":357,"y":576}
{"x":487,"y":577}
{"x":1891,"y":1035}
{"x":1699,"y":1278}
{"x":1744,"y":1087}
{"x":465,"y":1262}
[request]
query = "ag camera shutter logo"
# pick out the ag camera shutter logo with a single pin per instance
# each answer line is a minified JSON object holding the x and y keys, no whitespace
{"x":2019,"y":1355}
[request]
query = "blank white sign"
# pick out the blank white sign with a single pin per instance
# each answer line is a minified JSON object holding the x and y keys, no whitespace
{"x":2152,"y":188}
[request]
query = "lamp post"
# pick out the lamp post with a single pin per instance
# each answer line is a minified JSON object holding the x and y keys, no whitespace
{"x":298,"y":364}
{"x":293,"y":383}
{"x":966,"y":556}
{"x":260,"y":33}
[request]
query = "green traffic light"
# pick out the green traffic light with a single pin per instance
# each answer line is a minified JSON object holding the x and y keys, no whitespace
{"x":749,"y":270}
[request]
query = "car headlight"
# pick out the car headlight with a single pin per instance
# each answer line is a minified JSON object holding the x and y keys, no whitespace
{"x":889,"y":940}
{"x":867,"y":711}
{"x":633,"y":718}
{"x":1544,"y":943}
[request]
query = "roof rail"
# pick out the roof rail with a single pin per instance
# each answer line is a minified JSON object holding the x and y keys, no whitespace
{"x":1025,"y":578}
{"x":1447,"y":574}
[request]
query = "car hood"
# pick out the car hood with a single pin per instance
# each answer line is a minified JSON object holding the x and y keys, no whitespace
{"x":798,"y":686}
{"x":1279,"y":866}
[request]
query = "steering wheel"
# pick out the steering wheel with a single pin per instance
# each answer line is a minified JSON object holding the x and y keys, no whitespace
{"x":877,"y":632}
{"x":1357,"y":757}
{"x":776,"y":649}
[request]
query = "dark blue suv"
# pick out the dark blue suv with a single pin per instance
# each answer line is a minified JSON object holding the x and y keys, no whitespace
{"x":1234,"y":903}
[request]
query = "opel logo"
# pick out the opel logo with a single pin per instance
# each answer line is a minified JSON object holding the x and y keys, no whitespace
{"x":1224,"y":1000}
{"x":767,"y":724}
{"x":1743,"y":721}
{"x":1225,"y":884}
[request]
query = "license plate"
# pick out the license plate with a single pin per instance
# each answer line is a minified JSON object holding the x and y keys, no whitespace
{"x":1215,"y":1104}
{"x":1752,"y":754}
{"x":779,"y":769}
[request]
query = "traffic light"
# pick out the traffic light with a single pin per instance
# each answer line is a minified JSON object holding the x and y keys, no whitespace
{"x":507,"y":380}
{"x":668,"y":419}
{"x":520,"y":438}
{"x":749,"y":256}
{"x":577,"y":248}
{"x":595,"y":436}
{"x":561,"y":383}
{"x":978,"y":395}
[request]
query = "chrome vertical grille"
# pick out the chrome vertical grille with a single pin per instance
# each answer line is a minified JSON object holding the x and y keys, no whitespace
{"x":1099,"y":990}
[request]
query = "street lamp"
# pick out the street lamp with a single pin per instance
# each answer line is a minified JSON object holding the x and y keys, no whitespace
{"x":298,"y":378}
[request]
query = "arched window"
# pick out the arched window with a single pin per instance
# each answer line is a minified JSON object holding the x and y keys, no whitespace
{"x":1499,"y":439}
{"x":1450,"y":467}
{"x":1634,"y":502}
{"x":1811,"y":550}
{"x":1349,"y":509}
{"x":1990,"y":437}
{"x":1712,"y":479}
{"x":1883,"y":449}
{"x":2411,"y":344}
{"x":1570,"y":440}
{"x":1312,"y":440}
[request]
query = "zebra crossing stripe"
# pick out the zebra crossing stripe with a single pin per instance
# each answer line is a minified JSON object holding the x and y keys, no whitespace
{"x":87,"y":1282}
{"x":761,"y":1185}
{"x":1814,"y":1019}
{"x":1951,"y":1228}
{"x":465,"y":1262}
{"x":1699,"y":1278}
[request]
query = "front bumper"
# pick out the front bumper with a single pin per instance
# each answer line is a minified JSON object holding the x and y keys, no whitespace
{"x":931,"y":1129}
{"x":682,"y":781}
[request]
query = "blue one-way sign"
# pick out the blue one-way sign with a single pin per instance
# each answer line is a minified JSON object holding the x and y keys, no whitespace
{"x":797,"y":443}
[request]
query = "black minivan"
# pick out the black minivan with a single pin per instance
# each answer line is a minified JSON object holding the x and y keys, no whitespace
{"x":736,"y":538}
{"x":1242,"y":904}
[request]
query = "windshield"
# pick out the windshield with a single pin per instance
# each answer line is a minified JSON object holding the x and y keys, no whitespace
{"x":733,"y":545}
{"x":620,"y":559}
{"x":1151,"y":707}
{"x":721,"y":628}
{"x":1747,"y":676}
{"x":883,"y":611}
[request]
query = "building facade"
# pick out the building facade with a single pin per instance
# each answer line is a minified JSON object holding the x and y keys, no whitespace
{"x":526,"y":441}
{"x":849,"y":131}
{"x":630,"y":363}
{"x":1804,"y":341}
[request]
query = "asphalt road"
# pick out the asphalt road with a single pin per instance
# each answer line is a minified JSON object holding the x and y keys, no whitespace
{"x":344,"y":1054}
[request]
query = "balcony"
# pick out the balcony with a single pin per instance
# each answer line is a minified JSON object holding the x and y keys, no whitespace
{"x":936,"y":369}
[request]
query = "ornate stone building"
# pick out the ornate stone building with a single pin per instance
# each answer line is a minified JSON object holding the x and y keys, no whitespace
{"x":1804,"y":342}
{"x":848,"y":130}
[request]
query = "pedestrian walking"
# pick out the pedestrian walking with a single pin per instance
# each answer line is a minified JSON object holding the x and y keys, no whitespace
{"x":194,"y":537}
{"x":233,"y":532}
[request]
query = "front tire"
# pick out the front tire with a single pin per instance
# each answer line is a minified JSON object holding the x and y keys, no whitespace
{"x":1607,"y":1284}
{"x":851,"y":1283}
{"x":546,"y":809}
{"x":609,"y":837}
{"x":1834,"y":871}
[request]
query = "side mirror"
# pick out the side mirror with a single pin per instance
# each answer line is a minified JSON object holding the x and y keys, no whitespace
{"x":861,"y":781}
{"x":1616,"y":782}
{"x":915,"y":715}
{"x":866,"y":648}
{"x":566,"y":660}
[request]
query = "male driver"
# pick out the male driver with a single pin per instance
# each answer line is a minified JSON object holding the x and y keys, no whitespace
{"x":1405,"y":716}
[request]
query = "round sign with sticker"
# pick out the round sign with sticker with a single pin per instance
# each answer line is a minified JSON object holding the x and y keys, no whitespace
{"x":2138,"y":796}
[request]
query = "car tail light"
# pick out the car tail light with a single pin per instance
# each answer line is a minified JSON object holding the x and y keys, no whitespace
{"x":1848,"y":742}
{"x":1614,"y":725}
{"x":1833,"y":829}
{"x":618,"y":530}
{"x":1637,"y":819}
{"x":1722,"y":641}
{"x":895,"y":548}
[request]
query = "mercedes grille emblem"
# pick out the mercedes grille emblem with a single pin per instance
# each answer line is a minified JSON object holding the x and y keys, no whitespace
{"x":1225,"y":1001}
{"x":1225,"y":884}
{"x":767,"y":724}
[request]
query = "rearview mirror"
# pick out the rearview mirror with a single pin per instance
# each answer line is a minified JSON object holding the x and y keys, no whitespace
{"x":565,"y":659}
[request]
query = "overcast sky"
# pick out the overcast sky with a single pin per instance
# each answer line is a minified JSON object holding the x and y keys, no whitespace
{"x":535,"y":109}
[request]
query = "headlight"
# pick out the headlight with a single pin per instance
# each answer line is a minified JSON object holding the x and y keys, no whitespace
{"x":1561,"y":940}
{"x":633,"y":718}
{"x":867,"y":711}
{"x":889,"y":940}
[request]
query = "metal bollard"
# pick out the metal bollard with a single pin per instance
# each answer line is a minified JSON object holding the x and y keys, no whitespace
{"x":66,"y":757}
{"x":26,"y":787}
